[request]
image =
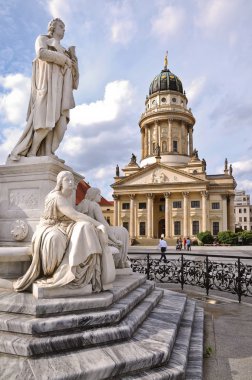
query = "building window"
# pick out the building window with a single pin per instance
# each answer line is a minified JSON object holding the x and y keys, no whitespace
{"x":162,"y":208}
{"x":251,"y":219}
{"x":215,"y":205}
{"x":126,"y":225}
{"x":125,"y":206}
{"x":177,"y":228}
{"x":108,"y":219}
{"x":245,"y":228}
{"x":175,"y":146}
{"x":216,"y":228}
{"x":240,"y":219}
{"x":142,"y":228}
{"x":195,"y":227}
{"x":142,"y":205}
{"x":245,"y":210}
{"x":240,"y":210}
{"x":195,"y":204}
{"x":164,"y":146}
{"x":176,"y":204}
{"x":245,"y":218}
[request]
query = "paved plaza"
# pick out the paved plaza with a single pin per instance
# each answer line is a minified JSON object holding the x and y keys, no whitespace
{"x":227,"y":324}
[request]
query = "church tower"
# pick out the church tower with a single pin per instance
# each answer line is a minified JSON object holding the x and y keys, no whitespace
{"x":169,"y":192}
{"x":167,"y":124}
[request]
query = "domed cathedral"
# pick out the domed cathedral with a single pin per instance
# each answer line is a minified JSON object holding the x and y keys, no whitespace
{"x":169,"y":192}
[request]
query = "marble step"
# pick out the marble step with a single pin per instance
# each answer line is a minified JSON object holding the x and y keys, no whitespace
{"x":26,"y":303}
{"x":150,"y":346}
{"x":194,"y":370}
{"x":27,"y":345}
{"x":28,"y":324}
{"x":175,"y":367}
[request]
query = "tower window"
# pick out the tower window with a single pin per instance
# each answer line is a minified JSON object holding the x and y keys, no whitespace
{"x":164,"y":146}
{"x":175,"y":146}
{"x":174,"y":100}
{"x":154,"y":148}
{"x":163,"y":100}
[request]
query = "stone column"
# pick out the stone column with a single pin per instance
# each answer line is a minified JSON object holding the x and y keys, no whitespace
{"x":116,"y":198}
{"x":159,"y":135}
{"x":145,"y":141}
{"x":142,"y":143}
{"x":132,"y":214}
{"x":169,"y":135}
{"x":204,"y":197}
{"x":167,"y":208}
{"x":231,"y":215}
{"x":149,"y":142}
{"x":185,"y":214}
{"x":149,"y":215}
{"x":190,"y":141}
{"x":224,"y":213}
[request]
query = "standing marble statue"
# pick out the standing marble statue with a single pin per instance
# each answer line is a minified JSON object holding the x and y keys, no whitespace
{"x":68,"y":248}
{"x":118,"y":236}
{"x":54,"y":76}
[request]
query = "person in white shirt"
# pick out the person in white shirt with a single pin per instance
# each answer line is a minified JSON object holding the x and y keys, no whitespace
{"x":163,"y":246}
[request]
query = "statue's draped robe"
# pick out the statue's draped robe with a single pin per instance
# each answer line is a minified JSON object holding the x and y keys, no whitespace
{"x":93,"y":209}
{"x":51,"y":96}
{"x":67,"y":253}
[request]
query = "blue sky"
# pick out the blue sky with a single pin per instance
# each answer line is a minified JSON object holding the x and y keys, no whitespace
{"x":120,"y":47}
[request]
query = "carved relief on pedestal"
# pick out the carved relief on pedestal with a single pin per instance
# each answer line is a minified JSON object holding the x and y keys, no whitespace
{"x":23,"y":199}
{"x":19,"y":230}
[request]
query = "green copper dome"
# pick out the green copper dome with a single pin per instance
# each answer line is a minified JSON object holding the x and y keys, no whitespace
{"x":166,"y":81}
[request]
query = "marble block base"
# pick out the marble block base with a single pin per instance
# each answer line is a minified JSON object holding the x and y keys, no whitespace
{"x":124,"y":271}
{"x":61,"y":292}
{"x":24,"y":186}
{"x":14,"y":261}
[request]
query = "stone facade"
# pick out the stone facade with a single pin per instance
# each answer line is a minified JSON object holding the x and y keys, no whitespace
{"x":243,"y":211}
{"x":170,"y":192}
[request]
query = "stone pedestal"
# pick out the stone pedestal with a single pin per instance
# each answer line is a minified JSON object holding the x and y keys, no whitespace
{"x":24,"y":186}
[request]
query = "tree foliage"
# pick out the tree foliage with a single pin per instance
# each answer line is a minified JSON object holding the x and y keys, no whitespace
{"x":205,"y":237}
{"x":227,"y":237}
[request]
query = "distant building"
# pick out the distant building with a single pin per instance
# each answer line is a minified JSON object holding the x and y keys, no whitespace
{"x":170,"y":192}
{"x":242,"y":211}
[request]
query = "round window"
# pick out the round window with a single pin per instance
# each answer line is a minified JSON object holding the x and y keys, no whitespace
{"x":163,"y":100}
{"x":174,"y":100}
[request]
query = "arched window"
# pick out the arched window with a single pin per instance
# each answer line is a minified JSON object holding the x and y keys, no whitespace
{"x":164,"y":146}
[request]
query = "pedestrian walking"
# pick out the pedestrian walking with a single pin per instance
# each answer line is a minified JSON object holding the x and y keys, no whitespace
{"x":188,"y":244}
{"x":184,"y":243}
{"x":163,"y":246}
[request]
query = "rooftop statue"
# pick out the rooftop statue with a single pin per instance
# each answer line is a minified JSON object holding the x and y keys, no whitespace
{"x":54,"y":76}
{"x":118,"y":236}
{"x":68,"y":248}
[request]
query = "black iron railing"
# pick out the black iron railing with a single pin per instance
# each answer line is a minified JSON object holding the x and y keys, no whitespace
{"x":229,"y":273}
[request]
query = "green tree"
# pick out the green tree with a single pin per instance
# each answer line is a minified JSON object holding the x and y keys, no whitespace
{"x":246,"y":237}
{"x":227,"y":237}
{"x":205,"y":237}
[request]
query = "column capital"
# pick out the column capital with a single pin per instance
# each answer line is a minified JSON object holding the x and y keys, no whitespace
{"x":132,"y":196}
{"x":204,"y":194}
{"x":167,"y":194}
{"x":185,"y":194}
{"x":224,"y":197}
{"x":116,"y":197}
{"x":150,"y":195}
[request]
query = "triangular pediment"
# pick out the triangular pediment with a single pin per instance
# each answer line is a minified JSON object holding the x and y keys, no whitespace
{"x":158,"y":174}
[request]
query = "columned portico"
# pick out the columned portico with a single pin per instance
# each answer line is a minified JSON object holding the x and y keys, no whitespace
{"x":116,"y":199}
{"x":149,"y":215}
{"x":132,"y":214}
{"x":224,"y":212}
{"x":167,"y":209}
{"x":185,"y":213}
{"x":204,"y":197}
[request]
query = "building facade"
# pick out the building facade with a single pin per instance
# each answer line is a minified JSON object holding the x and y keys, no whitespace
{"x":242,"y":211}
{"x":169,"y":192}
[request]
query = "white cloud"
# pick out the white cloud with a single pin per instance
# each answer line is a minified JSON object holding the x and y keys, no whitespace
{"x":245,"y":184}
{"x":59,"y":8}
{"x":73,"y":144}
{"x":118,"y":96}
{"x":216,"y":14}
{"x":243,"y":166}
{"x":195,"y":88}
{"x":168,"y":22}
{"x":9,"y":140}
{"x":121,"y":22}
{"x":14,"y":99}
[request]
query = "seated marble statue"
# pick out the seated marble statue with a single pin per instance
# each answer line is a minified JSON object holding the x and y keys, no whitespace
{"x":69,"y":248}
{"x":118,"y":236}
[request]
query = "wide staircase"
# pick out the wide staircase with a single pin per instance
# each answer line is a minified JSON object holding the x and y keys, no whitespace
{"x":135,"y":331}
